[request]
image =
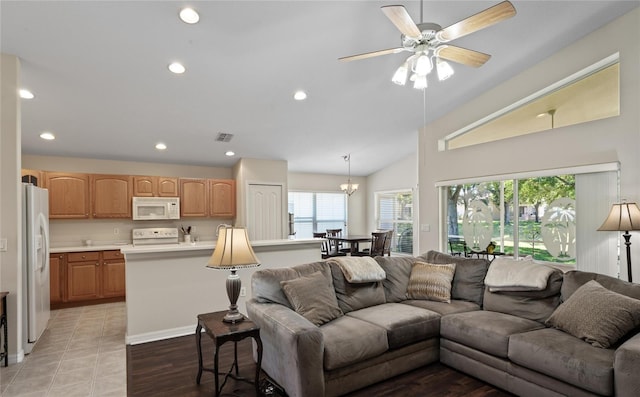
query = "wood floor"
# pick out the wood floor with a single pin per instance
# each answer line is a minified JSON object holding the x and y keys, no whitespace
{"x":169,"y":368}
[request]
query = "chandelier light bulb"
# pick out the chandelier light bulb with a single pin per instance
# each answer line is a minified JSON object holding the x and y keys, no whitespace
{"x":420,"y":82}
{"x":444,"y":69}
{"x":423,"y":65}
{"x":400,"y":76}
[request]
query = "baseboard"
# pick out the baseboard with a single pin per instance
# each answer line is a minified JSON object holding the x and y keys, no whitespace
{"x":160,"y":335}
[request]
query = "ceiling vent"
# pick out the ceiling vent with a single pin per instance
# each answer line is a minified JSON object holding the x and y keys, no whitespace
{"x":222,"y":137}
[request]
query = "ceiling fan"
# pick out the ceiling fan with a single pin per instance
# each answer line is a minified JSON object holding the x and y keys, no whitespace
{"x":428,"y":40}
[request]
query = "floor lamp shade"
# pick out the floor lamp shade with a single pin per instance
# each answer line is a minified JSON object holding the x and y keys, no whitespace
{"x":623,"y":217}
{"x":233,"y":251}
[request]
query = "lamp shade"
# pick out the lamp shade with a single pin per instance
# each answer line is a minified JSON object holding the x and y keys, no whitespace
{"x":233,"y":250}
{"x":622,"y":217}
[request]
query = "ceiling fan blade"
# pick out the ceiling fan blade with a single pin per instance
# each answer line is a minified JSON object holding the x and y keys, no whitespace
{"x":481,"y":20}
{"x":462,"y":55}
{"x":400,"y":17}
{"x":372,"y":54}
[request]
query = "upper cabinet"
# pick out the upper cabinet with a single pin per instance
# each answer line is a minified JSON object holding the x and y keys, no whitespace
{"x":111,"y":196}
{"x":194,"y":197}
{"x":32,"y":176}
{"x":155,"y":186}
{"x":69,"y":195}
{"x":222,"y":198}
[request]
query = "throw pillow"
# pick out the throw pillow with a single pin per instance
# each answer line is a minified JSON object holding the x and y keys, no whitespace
{"x":313,"y":297}
{"x":597,"y":315}
{"x":430,"y":281}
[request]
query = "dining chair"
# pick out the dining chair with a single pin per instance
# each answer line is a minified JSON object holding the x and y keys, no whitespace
{"x":378,"y":240}
{"x":336,"y":246}
{"x":325,"y":250}
{"x":387,"y":243}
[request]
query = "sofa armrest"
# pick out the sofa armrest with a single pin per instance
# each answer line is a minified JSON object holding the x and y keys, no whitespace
{"x":293,"y":348}
{"x":626,"y":367}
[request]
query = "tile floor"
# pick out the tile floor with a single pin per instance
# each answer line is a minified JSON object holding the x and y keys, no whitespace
{"x":81,"y":353}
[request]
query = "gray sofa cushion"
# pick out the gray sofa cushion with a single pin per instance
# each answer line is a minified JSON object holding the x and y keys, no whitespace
{"x":398,"y":270}
{"x":313,"y":297}
{"x":562,"y":356}
{"x":575,"y":279}
{"x":349,"y":340}
{"x":404,"y":324}
{"x":484,"y":330}
{"x":597,"y":315}
{"x":265,"y":283}
{"x":533,"y":305}
{"x":355,"y":296}
{"x":468,"y":282}
{"x":455,"y":306}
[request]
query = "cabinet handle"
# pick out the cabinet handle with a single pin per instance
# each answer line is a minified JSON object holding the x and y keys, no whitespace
{"x":97,"y":263}
{"x":84,"y":257}
{"x":60,"y":257}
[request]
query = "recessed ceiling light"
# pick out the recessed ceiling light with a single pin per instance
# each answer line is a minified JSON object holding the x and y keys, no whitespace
{"x":300,"y":96}
{"x":26,"y":94}
{"x":161,"y":146}
{"x":177,"y":68}
{"x":189,"y":15}
{"x":230,"y":153}
{"x":48,"y":136}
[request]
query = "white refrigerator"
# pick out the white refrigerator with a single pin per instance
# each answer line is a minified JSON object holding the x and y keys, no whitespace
{"x":35,"y":264}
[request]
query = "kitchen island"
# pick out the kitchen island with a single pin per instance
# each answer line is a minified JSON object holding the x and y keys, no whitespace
{"x":169,"y":285}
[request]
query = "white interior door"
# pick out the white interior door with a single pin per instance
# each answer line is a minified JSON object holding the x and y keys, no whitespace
{"x":264,"y":212}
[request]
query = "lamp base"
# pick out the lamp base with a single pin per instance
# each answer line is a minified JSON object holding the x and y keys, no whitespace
{"x":233,"y":291}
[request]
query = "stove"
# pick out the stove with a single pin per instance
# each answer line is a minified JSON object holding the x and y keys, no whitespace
{"x":155,"y":235}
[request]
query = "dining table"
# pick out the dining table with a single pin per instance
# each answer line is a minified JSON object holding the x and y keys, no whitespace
{"x":353,"y":240}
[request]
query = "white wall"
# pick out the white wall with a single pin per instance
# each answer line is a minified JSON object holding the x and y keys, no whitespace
{"x":607,"y":140}
{"x":11,"y":201}
{"x":356,"y":204}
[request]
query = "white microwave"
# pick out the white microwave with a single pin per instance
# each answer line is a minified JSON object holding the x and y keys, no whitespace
{"x":156,"y":208}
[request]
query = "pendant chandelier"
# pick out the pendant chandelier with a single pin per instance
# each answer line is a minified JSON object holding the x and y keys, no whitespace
{"x":349,"y":188}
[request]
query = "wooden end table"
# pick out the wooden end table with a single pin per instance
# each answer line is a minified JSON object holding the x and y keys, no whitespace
{"x":221,"y":333}
{"x":4,"y":354}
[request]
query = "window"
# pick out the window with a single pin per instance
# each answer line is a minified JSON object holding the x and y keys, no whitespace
{"x":317,"y":212}
{"x":551,"y":215}
{"x":394,"y":211}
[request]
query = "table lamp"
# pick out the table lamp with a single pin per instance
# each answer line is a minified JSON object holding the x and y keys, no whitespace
{"x":623,"y":217}
{"x":233,"y":251}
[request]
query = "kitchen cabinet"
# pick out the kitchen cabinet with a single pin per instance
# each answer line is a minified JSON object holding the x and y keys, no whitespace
{"x":83,"y":276}
{"x":155,"y":186}
{"x":89,"y":277}
{"x":32,"y":176}
{"x":69,"y":195}
{"x":57,"y":280}
{"x":222,"y":198}
{"x":113,"y":274}
{"x":111,"y":196}
{"x":194,"y":197}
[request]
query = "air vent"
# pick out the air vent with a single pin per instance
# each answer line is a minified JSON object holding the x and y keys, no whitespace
{"x":222,"y":137}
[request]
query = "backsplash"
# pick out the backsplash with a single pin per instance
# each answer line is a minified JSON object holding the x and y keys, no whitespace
{"x":72,"y":232}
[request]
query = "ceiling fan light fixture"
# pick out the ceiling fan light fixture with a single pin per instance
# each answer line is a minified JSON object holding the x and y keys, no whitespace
{"x":423,"y":65}
{"x":444,"y":69}
{"x":420,"y":82}
{"x":400,"y":76}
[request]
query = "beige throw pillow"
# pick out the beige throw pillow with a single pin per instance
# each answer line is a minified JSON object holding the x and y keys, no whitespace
{"x":597,"y":315}
{"x":313,"y":297}
{"x":430,"y":281}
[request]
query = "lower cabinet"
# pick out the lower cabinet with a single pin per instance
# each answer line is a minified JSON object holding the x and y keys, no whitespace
{"x":89,"y":277}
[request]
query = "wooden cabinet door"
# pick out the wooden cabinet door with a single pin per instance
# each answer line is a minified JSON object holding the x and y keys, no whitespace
{"x":222,"y":198}
{"x":144,"y":186}
{"x":113,"y":274}
{"x":167,"y":187}
{"x":83,"y":276}
{"x":68,"y":195}
{"x":57,"y":266}
{"x":111,"y":196}
{"x":193,"y":197}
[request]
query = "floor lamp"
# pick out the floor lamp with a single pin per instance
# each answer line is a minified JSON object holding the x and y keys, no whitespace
{"x":233,"y":251}
{"x":623,"y":217}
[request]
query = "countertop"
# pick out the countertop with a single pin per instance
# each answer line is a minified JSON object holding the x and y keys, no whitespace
{"x":200,"y":245}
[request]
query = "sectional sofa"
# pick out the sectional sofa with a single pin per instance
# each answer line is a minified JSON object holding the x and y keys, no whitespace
{"x":328,"y":328}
